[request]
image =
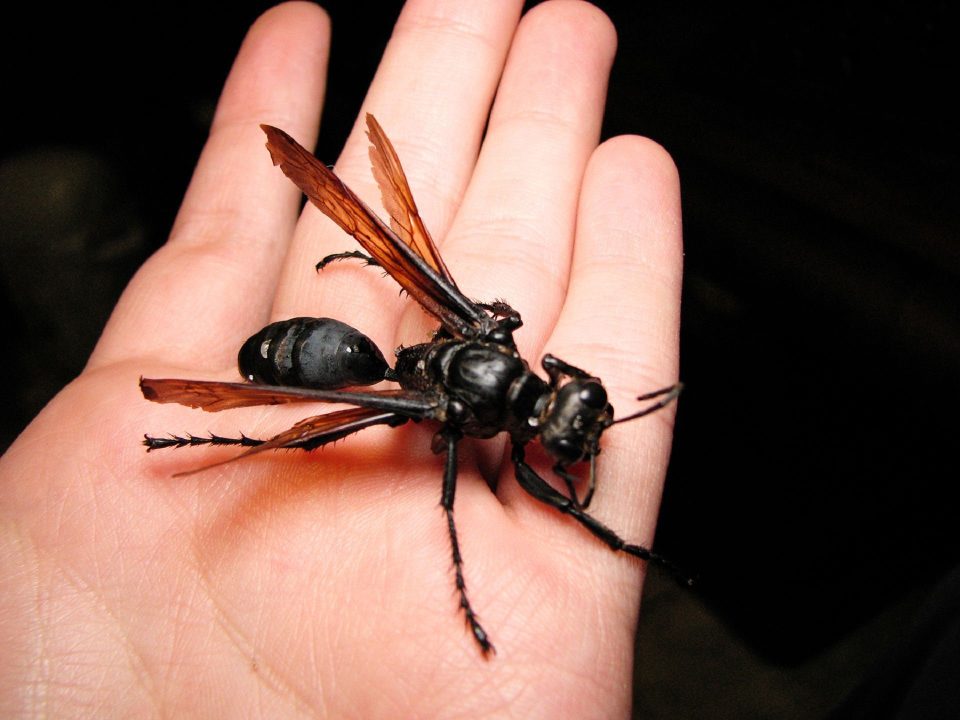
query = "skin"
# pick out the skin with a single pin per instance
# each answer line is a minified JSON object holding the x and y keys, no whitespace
{"x":319,"y":584}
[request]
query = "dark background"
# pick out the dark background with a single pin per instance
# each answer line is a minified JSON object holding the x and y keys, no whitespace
{"x":812,"y":483}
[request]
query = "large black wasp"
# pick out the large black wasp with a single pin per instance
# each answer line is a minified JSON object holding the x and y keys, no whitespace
{"x":469,"y":377}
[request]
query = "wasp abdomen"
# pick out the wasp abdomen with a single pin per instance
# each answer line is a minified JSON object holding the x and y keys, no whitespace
{"x":319,"y":353}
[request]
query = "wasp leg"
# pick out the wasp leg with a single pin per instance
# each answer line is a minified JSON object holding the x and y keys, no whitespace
{"x":502,"y":309}
{"x":571,"y":481}
{"x":446,"y":501}
{"x":538,"y":488}
{"x":353,"y":254}
{"x":177,"y":441}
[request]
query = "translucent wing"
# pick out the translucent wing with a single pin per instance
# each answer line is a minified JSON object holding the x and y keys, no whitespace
{"x":214,"y":396}
{"x":314,"y":432}
{"x":398,"y":200}
{"x":430,"y":286}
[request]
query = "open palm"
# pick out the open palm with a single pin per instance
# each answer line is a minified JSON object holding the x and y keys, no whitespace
{"x":320,"y":584}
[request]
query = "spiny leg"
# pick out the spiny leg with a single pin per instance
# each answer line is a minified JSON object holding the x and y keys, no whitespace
{"x":449,"y":490}
{"x":353,"y":254}
{"x":178,"y":441}
{"x":308,"y":434}
{"x":542,"y":491}
{"x":501,"y":309}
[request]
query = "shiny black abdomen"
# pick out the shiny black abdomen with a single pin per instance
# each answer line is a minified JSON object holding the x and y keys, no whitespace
{"x":319,"y":353}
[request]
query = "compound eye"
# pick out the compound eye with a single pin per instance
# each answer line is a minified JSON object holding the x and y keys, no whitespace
{"x":593,"y":395}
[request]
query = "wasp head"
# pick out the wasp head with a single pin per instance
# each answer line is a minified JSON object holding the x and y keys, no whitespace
{"x":575,"y":420}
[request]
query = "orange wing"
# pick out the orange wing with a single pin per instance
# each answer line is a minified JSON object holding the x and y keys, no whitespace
{"x":430,"y":286}
{"x":313,"y":432}
{"x":214,"y":396}
{"x":398,"y":199}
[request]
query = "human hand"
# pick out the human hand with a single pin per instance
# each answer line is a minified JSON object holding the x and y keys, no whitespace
{"x":296,"y":583}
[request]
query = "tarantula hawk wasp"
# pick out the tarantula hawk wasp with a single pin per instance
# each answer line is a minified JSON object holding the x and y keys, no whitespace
{"x":469,"y":378}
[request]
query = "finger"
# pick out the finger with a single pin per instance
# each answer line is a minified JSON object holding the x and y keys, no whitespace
{"x":211,"y":285}
{"x":620,"y":318}
{"x":431,"y":94}
{"x":514,"y":233}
